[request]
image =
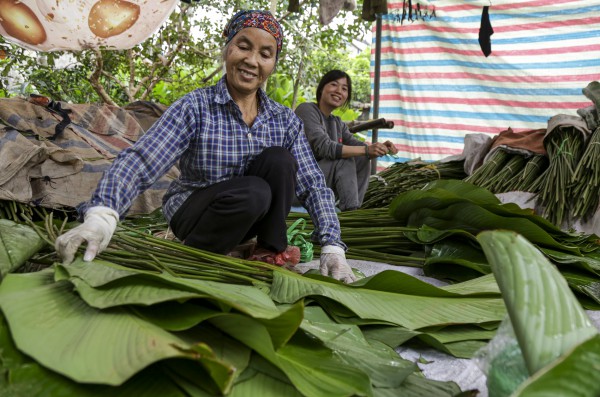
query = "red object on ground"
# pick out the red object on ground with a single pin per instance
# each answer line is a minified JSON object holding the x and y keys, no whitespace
{"x":289,"y":257}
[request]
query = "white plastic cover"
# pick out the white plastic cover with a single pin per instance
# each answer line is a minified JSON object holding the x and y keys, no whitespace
{"x":56,"y":25}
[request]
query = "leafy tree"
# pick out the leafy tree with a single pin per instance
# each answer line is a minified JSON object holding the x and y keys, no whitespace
{"x":175,"y":61}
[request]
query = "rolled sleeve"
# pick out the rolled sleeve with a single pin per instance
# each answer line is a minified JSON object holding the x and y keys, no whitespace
{"x":314,"y":194}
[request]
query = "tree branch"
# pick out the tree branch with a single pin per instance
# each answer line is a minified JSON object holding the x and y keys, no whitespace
{"x":95,"y":80}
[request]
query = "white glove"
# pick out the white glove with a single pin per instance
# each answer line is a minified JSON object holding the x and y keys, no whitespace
{"x":97,"y":229}
{"x":333,"y":260}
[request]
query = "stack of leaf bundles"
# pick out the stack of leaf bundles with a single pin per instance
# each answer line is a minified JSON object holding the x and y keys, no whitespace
{"x":556,"y":187}
{"x":514,"y":162}
{"x":402,"y":177}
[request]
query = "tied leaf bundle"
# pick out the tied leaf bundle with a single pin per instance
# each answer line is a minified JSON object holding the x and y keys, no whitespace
{"x":565,"y":146}
{"x":586,"y":179}
{"x":525,"y":181}
{"x":402,"y":177}
{"x":502,"y":180}
{"x":491,"y":167}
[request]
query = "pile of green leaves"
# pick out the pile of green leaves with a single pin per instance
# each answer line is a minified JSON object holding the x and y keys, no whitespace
{"x":89,"y":329}
{"x":448,"y":214}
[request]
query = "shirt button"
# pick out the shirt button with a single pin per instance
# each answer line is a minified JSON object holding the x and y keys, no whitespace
{"x":249,"y":135}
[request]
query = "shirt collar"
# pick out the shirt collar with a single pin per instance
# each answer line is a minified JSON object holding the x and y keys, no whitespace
{"x":222,"y":96}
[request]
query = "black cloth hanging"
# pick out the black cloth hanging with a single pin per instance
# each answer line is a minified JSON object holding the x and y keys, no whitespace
{"x":485,"y":32}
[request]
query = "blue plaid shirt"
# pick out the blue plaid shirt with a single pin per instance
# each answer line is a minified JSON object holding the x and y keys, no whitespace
{"x":205,"y":132}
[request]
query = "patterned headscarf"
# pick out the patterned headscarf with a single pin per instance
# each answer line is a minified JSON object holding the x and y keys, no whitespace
{"x":254,"y":19}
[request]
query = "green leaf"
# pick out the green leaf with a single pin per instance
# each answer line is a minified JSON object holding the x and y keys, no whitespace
{"x":474,"y":218}
{"x":481,"y":285}
{"x":176,"y":316}
{"x":33,"y":380}
{"x":265,"y":380}
{"x":454,"y":259}
{"x":313,"y":371}
{"x":55,"y":327}
{"x":116,"y":286}
{"x":418,"y":386}
{"x":458,"y":341}
{"x":402,"y":283}
{"x":545,"y":314}
{"x":575,"y":374}
{"x":316,"y":371}
{"x":412,"y":312}
{"x":380,"y":362}
{"x":18,"y":243}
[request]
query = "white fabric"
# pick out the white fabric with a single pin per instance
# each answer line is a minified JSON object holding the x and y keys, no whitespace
{"x":97,"y":229}
{"x":43,"y":25}
{"x":333,"y":262}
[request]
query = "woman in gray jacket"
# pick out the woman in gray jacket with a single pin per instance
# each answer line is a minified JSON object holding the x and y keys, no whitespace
{"x":344,"y":160}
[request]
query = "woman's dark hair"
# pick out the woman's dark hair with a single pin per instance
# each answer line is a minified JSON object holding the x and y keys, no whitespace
{"x":333,"y":75}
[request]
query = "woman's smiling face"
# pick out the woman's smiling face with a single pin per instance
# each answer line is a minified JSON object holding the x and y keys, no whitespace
{"x":250,"y":59}
{"x":335,"y":94}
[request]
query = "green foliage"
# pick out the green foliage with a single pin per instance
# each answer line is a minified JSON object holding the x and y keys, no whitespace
{"x":347,"y":114}
{"x":185,"y":54}
{"x":280,"y":88}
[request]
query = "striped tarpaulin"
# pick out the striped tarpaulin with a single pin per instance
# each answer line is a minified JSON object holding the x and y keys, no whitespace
{"x":437,"y":86}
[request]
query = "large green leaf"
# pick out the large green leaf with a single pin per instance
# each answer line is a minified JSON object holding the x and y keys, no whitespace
{"x":418,"y":386}
{"x":458,"y":341}
{"x":575,"y":374}
{"x":438,"y":194}
{"x":410,"y":311}
{"x":452,"y":204}
{"x":312,"y":369}
{"x":265,"y":380}
{"x":481,"y":285}
{"x":33,"y":380}
{"x":547,"y":319}
{"x":18,"y":243}
{"x":583,"y":284}
{"x":103,"y":284}
{"x":444,"y":192}
{"x":55,"y":327}
{"x":175,"y":315}
{"x":456,"y":260}
{"x":379,"y":361}
{"x":587,"y":262}
{"x":26,"y":378}
{"x":401,"y":283}
{"x":474,"y":218}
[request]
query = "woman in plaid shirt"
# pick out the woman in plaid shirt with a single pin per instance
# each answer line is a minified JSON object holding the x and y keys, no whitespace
{"x":242,"y":158}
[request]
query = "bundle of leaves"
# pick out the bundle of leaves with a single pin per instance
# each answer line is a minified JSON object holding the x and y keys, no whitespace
{"x":401,"y":177}
{"x":373,"y":235}
{"x":525,"y":180}
{"x":449,"y":214}
{"x":556,"y":186}
{"x":586,"y":180}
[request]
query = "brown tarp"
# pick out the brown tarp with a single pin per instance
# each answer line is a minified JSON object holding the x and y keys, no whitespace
{"x":53,"y":163}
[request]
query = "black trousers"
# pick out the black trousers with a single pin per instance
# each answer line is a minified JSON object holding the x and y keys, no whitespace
{"x":220,"y":216}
